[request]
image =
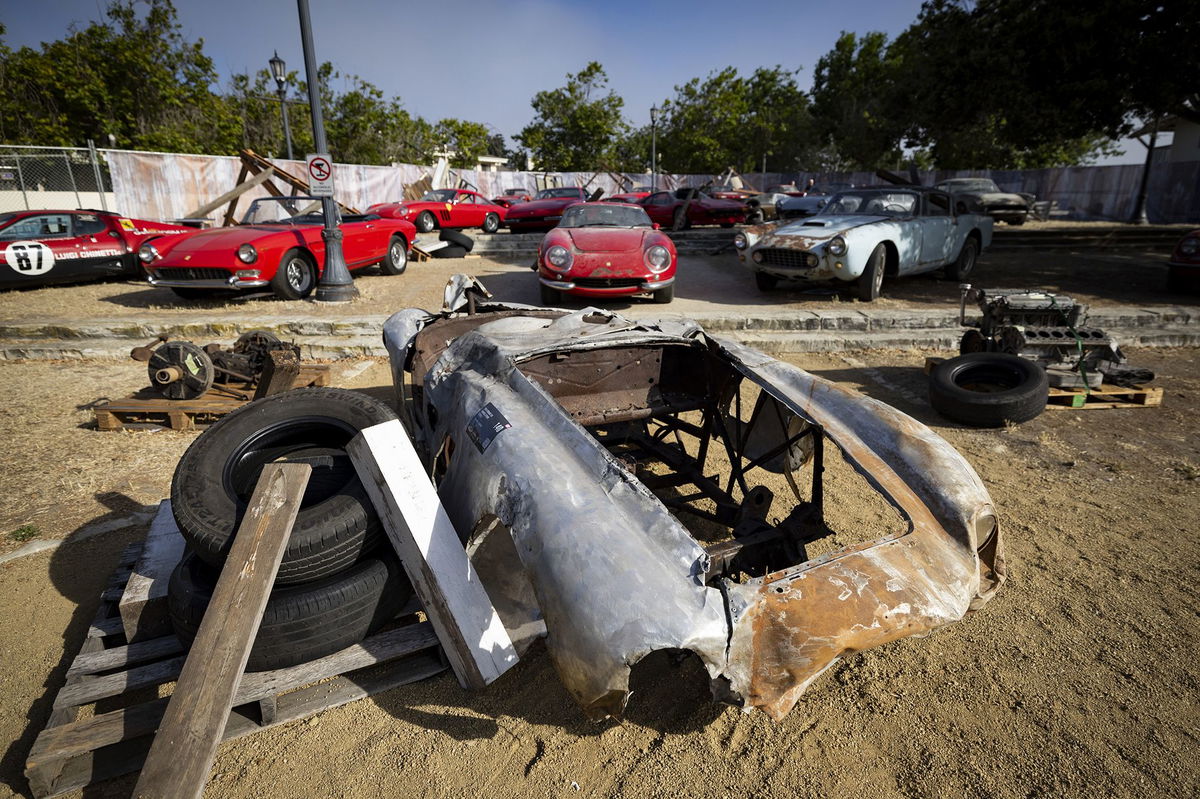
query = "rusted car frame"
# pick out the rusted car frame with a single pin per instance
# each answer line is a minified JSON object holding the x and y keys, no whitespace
{"x":568,"y":446}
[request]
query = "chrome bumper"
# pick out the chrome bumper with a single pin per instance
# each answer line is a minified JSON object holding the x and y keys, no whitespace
{"x":567,"y":285}
{"x":234,"y":282}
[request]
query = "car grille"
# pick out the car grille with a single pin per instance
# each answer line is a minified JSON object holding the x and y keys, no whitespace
{"x":607,"y":282}
{"x":791,"y":259}
{"x":195,"y":273}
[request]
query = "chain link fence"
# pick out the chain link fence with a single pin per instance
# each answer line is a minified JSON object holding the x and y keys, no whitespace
{"x":53,"y":177}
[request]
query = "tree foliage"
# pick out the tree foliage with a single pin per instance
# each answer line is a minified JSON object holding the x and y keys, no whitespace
{"x":576,"y":127}
{"x":732,"y":120}
{"x":854,"y":104}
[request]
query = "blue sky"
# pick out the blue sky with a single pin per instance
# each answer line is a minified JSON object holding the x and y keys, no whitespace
{"x":484,"y":61}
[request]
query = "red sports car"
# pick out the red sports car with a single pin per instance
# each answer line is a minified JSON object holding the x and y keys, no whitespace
{"x":511,"y":197}
{"x":41,"y":247}
{"x":606,"y":250}
{"x":667,"y":209}
{"x":1183,"y":270}
{"x":631,"y":196}
{"x":277,"y":244}
{"x":544,"y":210}
{"x":445,"y":208}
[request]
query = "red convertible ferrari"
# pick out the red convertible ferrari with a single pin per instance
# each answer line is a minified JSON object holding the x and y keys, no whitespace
{"x":511,"y":197}
{"x":445,"y":208}
{"x":668,"y":209}
{"x":544,"y":210}
{"x":277,"y":244}
{"x":606,"y":250}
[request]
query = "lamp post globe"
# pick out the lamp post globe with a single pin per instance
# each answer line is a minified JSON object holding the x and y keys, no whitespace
{"x":279,"y":73}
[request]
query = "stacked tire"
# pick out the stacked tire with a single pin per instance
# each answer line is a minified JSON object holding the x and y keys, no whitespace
{"x":339,"y":579}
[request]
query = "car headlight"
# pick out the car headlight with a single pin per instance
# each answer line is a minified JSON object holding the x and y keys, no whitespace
{"x":740,"y":241}
{"x":147,"y":253}
{"x":559,"y":257}
{"x":247,"y":254}
{"x":658,"y":258}
{"x":837,"y":246}
{"x":1189,"y":246}
{"x":402,"y":210}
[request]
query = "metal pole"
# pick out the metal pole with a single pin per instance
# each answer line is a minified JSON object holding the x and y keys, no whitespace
{"x":653,"y":149}
{"x":99,"y":178}
{"x":1139,"y":207}
{"x":21,"y":179}
{"x":336,"y":284}
{"x":287,"y":129}
{"x":71,"y":175}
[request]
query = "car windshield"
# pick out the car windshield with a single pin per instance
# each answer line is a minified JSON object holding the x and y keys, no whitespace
{"x":608,"y":215}
{"x":880,"y":202}
{"x":284,"y":211}
{"x":438,"y":196}
{"x":969,"y":184}
{"x":551,"y":194}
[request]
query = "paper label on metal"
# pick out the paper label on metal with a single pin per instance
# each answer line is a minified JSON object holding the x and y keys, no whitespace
{"x":486,"y":425}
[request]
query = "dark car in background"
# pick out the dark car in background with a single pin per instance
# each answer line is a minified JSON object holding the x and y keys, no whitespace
{"x":984,"y":196}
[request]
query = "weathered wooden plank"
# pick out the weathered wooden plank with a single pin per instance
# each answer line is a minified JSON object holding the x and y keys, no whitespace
{"x":124,"y":656}
{"x":241,"y":188}
{"x":125,"y":756}
{"x":98,"y":688}
{"x":142,"y":719}
{"x":280,"y":371}
{"x":102,"y":628}
{"x":456,"y":602}
{"x":187,"y":739}
{"x":143,"y":605}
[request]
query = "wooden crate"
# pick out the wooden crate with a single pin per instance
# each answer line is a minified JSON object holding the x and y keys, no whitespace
{"x":119,"y":683}
{"x":1107,"y":396}
{"x":148,"y":409}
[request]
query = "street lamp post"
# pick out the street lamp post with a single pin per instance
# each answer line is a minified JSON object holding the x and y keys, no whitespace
{"x":279,"y":72}
{"x":653,"y":149}
{"x":336,"y":284}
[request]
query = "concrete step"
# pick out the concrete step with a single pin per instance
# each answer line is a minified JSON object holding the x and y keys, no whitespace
{"x":770,"y":341}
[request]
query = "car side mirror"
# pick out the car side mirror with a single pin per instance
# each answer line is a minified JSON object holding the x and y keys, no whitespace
{"x":656,"y":226}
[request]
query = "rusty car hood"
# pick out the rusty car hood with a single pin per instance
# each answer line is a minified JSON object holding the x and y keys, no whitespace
{"x":821,"y":227}
{"x":595,"y":559}
{"x":601,"y":239}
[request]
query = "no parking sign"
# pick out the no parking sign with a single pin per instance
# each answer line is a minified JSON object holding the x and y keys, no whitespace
{"x":320,"y":175}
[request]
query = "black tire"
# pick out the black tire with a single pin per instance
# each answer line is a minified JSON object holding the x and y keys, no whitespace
{"x":296,"y":276}
{"x":301,"y":622}
{"x":449,"y":251}
{"x":960,"y":268}
{"x":216,"y":475}
{"x":870,"y":282}
{"x":395,"y":260}
{"x":988,"y":389}
{"x":764,"y":281}
{"x":727,"y":224}
{"x":972,"y":341}
{"x":665,"y":295}
{"x":425,"y":222}
{"x":550,"y":297}
{"x":457,"y":238}
{"x":491,"y":223}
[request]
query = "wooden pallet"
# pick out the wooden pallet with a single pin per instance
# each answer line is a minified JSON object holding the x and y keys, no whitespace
{"x":1063,"y":399}
{"x":147,"y":409}
{"x":118,"y":682}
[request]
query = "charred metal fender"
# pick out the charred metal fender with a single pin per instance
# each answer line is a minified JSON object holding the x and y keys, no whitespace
{"x":616,"y":576}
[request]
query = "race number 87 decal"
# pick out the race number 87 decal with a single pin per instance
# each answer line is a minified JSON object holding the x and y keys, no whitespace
{"x":29,"y":257}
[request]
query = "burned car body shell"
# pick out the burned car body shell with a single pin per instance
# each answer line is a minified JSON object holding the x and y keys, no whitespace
{"x":610,"y":570}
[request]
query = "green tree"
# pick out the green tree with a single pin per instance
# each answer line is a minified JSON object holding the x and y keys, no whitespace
{"x":576,"y":127}
{"x":467,"y":140}
{"x":131,"y":77}
{"x":855,"y":86}
{"x":730,"y":120}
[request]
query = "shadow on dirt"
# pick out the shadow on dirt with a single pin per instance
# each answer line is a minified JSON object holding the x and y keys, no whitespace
{"x":80,"y":569}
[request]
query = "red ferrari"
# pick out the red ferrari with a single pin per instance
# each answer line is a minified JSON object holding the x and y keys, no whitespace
{"x":277,"y":244}
{"x":606,"y":250}
{"x":667,"y":209}
{"x":41,"y":247}
{"x":511,"y":197}
{"x":445,"y":208}
{"x":544,"y":210}
{"x":631,"y":196}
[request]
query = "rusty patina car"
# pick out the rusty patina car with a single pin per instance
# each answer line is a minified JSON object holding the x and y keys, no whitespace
{"x":611,"y":480}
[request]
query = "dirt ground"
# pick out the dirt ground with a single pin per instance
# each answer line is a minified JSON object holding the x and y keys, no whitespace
{"x":705,"y":284}
{"x":1079,"y":680}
